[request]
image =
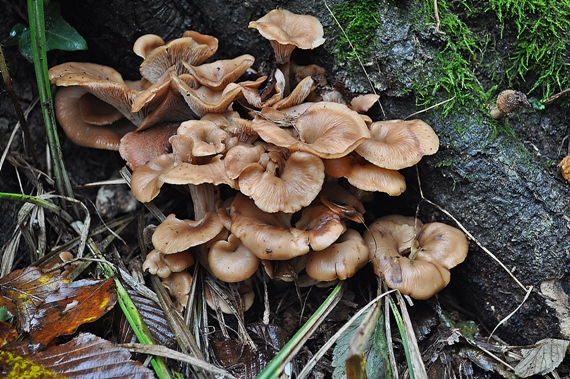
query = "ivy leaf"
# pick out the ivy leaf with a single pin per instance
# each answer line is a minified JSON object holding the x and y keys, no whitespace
{"x":59,"y":34}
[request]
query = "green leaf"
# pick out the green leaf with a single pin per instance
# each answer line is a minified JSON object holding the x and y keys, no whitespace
{"x":59,"y":34}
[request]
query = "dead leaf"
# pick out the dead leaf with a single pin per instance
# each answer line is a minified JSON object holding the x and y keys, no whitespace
{"x":22,"y":291}
{"x":14,"y":366}
{"x":7,"y":333}
{"x":543,"y":358}
{"x":85,"y":356}
{"x":72,"y":305}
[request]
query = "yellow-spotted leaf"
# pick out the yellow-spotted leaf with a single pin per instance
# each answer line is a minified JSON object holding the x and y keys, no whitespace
{"x":15,"y":366}
{"x":73,"y":304}
{"x":22,"y":291}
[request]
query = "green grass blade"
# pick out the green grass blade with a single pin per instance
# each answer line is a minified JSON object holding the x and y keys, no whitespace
{"x":38,"y":36}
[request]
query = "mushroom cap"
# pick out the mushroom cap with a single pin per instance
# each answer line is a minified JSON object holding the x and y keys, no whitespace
{"x":396,"y":144}
{"x":565,"y":168}
{"x":437,"y":248}
{"x":267,"y":235}
{"x":327,"y":130}
{"x":146,"y":43}
{"x":366,"y":176}
{"x":102,"y":81}
{"x":162,"y":265}
{"x":146,"y":181}
{"x":213,"y":171}
{"x":246,"y":298}
{"x":286,"y":30}
{"x":324,"y":226}
{"x":174,"y":235}
{"x":194,"y":48}
{"x":178,"y":285}
{"x":140,"y":147}
{"x":198,"y":138}
{"x":362,"y":103}
{"x":341,"y":260}
{"x":204,"y":100}
{"x":71,"y":104}
{"x":280,"y":184}
{"x":230,"y":261}
{"x":218,"y":74}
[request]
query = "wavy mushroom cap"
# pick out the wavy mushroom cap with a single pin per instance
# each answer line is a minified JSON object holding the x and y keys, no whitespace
{"x":212,"y":170}
{"x":178,"y":285}
{"x":103,"y":82}
{"x":146,"y":181}
{"x":436,"y":248}
{"x":174,"y":235}
{"x":327,"y":130}
{"x":282,"y":184}
{"x":218,"y":74}
{"x":286,"y":30}
{"x":362,"y":103}
{"x":146,"y":43}
{"x":366,"y":176}
{"x":397,"y":144}
{"x":230,"y":261}
{"x":323,"y":225}
{"x":341,"y":260}
{"x":198,"y":138}
{"x":162,"y":265}
{"x":194,"y":48}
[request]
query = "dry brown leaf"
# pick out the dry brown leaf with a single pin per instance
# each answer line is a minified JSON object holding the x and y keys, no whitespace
{"x":7,"y":333}
{"x":543,"y":358}
{"x":72,"y":305}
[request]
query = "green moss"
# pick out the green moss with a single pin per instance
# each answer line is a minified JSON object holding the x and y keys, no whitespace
{"x":541,"y":29}
{"x":358,"y":19}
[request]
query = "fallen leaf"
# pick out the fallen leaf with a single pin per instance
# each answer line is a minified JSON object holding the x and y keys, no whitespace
{"x":22,"y":291}
{"x":85,"y":356}
{"x":7,"y":333}
{"x":72,"y":305}
{"x":14,"y":366}
{"x":543,"y":358}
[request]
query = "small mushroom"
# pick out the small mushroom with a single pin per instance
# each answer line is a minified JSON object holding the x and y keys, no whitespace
{"x":341,"y":260}
{"x":412,"y":257}
{"x":219,"y":74}
{"x":565,"y":168}
{"x":137,"y":148}
{"x":397,"y":144}
{"x":508,"y":101}
{"x":246,"y":298}
{"x":162,"y":265}
{"x":230,"y":261}
{"x":178,"y":285}
{"x":146,"y":181}
{"x":174,"y":235}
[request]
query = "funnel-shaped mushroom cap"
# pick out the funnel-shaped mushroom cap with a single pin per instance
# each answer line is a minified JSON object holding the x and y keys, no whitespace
{"x":74,"y":104}
{"x":174,"y":235}
{"x":194,"y":48}
{"x":397,"y":144}
{"x":328,"y":130}
{"x":280,"y":184}
{"x":101,"y":81}
{"x":230,"y":261}
{"x":218,"y":74}
{"x":435,"y":248}
{"x":366,"y":176}
{"x":339,"y":261}
{"x":286,"y":30}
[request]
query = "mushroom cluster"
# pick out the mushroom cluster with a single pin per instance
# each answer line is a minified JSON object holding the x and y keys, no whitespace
{"x":291,"y":151}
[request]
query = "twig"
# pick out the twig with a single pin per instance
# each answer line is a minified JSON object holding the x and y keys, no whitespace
{"x":437,"y":21}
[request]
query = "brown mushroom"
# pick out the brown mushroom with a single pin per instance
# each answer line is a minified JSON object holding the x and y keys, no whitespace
{"x":162,"y":265}
{"x":70,"y":111}
{"x":508,"y":101}
{"x":341,"y":260}
{"x":414,"y":258}
{"x":140,"y":147}
{"x":366,"y":176}
{"x":178,"y":285}
{"x":328,"y":130}
{"x":246,"y":298}
{"x":174,"y":235}
{"x":230,"y":261}
{"x":286,"y":31}
{"x":396,"y":144}
{"x":146,"y":43}
{"x":219,"y":74}
{"x":146,"y":182}
{"x":565,"y":168}
{"x":198,"y":138}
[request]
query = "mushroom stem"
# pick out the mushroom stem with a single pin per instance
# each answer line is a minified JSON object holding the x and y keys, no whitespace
{"x":204,"y":197}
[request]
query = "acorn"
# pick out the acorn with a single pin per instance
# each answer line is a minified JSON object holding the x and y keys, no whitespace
{"x":508,"y":101}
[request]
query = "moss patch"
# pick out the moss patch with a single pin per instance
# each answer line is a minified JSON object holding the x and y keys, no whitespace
{"x":358,"y":19}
